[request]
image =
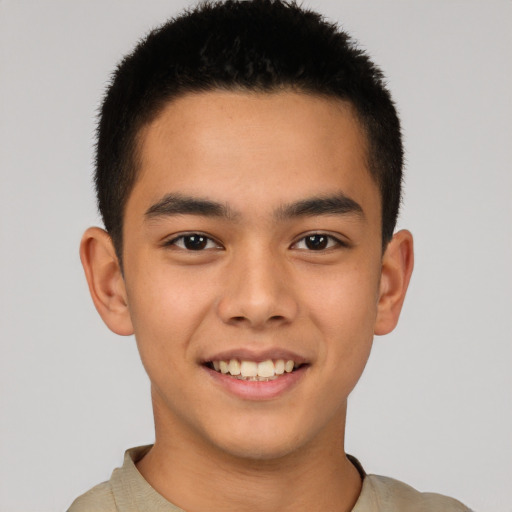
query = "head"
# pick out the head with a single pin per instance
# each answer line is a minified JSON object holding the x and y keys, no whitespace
{"x":249,"y":168}
{"x":260,"y":46}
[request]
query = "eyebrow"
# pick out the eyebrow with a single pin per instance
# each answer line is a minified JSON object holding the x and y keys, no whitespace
{"x":178,"y":204}
{"x":338,"y":204}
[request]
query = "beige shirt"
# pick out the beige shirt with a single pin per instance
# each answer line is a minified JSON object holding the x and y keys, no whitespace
{"x":127,"y":491}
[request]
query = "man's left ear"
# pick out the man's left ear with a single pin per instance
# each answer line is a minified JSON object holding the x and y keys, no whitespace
{"x":397,"y":265}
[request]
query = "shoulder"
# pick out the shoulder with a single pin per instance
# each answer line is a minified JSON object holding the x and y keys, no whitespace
{"x":390,"y":495}
{"x":98,"y":499}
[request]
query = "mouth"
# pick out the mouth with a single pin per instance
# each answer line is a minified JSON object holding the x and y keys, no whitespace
{"x":252,"y":371}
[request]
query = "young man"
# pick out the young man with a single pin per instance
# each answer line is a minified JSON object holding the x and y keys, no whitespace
{"x":248,"y":173}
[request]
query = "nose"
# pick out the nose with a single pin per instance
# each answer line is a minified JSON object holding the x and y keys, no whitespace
{"x":258,"y":292}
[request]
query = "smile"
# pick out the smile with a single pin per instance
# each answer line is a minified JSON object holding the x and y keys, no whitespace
{"x":253,"y":371}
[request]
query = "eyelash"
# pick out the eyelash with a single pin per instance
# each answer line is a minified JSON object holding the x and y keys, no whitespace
{"x":182,"y":238}
{"x":332,"y":242}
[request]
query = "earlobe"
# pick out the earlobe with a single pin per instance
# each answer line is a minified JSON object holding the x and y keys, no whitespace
{"x":397,"y":265}
{"x":105,"y":280}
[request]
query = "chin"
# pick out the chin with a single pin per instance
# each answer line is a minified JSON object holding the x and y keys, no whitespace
{"x":259,"y":442}
{"x":262,"y":451}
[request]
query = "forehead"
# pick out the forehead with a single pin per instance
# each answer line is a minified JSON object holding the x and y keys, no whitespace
{"x":241,"y":148}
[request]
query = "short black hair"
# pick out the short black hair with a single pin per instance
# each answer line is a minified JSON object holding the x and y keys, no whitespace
{"x":254,"y":45}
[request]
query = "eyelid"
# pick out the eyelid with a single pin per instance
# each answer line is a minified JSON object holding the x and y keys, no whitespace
{"x":171,"y":241}
{"x":338,"y":241}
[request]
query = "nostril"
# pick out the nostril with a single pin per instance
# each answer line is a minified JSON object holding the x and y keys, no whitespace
{"x":272,"y":319}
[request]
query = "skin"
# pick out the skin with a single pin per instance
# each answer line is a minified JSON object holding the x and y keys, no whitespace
{"x":256,"y":286}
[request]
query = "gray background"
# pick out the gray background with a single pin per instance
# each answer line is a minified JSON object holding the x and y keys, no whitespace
{"x":434,"y":405}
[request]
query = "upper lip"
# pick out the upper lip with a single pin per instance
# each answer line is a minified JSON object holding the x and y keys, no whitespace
{"x":245,"y":354}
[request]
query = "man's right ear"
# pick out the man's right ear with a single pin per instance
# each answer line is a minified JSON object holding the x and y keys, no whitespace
{"x":105,"y":280}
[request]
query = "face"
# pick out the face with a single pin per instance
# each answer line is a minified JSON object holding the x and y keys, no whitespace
{"x":253,"y":235}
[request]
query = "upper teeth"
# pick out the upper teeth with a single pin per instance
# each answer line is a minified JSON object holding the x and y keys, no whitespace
{"x":265,"y":369}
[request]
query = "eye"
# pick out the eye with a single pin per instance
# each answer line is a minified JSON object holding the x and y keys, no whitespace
{"x":317,"y":242}
{"x":193,"y":242}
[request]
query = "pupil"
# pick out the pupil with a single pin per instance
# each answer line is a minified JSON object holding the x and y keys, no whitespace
{"x":316,"y":242}
{"x":195,"y":242}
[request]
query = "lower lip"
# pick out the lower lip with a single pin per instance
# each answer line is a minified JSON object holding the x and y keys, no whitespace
{"x":258,"y":390}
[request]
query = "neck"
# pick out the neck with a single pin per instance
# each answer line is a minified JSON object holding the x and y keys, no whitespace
{"x":197,"y":476}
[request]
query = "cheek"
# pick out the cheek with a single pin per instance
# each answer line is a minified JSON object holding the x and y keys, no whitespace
{"x":343,"y":302}
{"x":344,"y":310}
{"x":166,"y":309}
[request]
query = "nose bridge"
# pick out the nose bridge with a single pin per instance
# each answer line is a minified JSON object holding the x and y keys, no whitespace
{"x":257,"y":290}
